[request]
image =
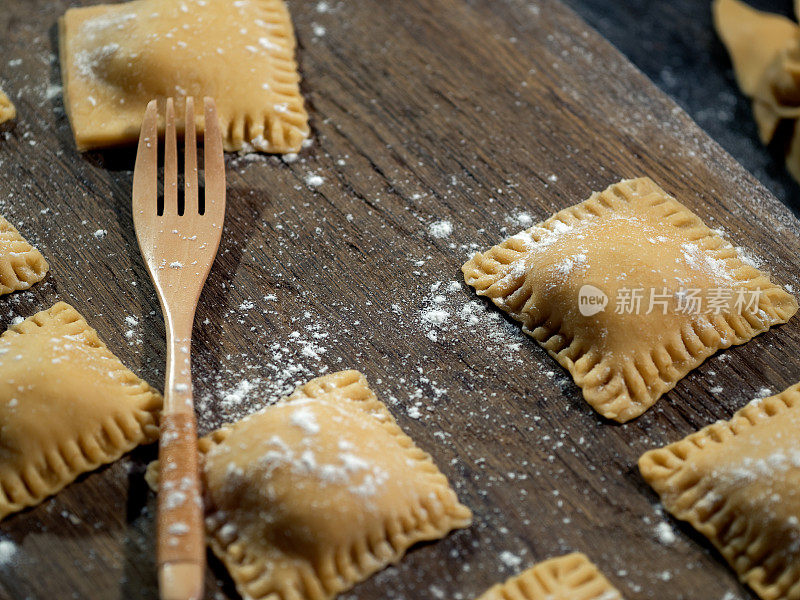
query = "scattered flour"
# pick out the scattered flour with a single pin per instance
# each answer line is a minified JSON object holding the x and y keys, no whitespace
{"x":696,"y":257}
{"x":510,"y":560}
{"x":238,"y":394}
{"x":130,"y":334}
{"x":305,"y":419}
{"x":665,"y":533}
{"x":359,"y":473}
{"x":8,"y":551}
{"x":451,"y":306}
{"x":520,"y":219}
{"x":440,"y":229}
{"x":436,"y":317}
{"x":178,"y":528}
{"x":314,"y":180}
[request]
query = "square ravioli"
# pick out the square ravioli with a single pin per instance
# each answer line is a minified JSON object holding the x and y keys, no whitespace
{"x":312,"y":495}
{"x":570,"y":577}
{"x":21,"y":265}
{"x":7,"y":110}
{"x":738,"y":483}
{"x":680,"y":292}
{"x":116,"y":58}
{"x":67,"y":406}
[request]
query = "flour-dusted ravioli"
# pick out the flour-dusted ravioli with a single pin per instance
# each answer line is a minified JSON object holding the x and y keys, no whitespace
{"x":738,"y":483}
{"x":67,"y":406}
{"x":116,"y":58}
{"x":629,"y":291}
{"x":313,"y":494}
{"x":570,"y":577}
{"x":21,"y":265}
{"x":7,"y":110}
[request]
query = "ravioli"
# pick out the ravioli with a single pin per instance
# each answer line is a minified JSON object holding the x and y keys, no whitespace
{"x":628,"y":291}
{"x":738,"y":483}
{"x":115,"y":58}
{"x":67,"y":406}
{"x":570,"y":577}
{"x":21,"y":265}
{"x":314,"y":494}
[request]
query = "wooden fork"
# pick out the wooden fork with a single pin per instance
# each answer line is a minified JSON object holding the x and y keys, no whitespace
{"x":179,"y":248}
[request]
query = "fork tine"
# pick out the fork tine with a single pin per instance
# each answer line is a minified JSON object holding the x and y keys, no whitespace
{"x":214,"y":164}
{"x":145,"y":174}
{"x":170,"y":161}
{"x":190,"y":202}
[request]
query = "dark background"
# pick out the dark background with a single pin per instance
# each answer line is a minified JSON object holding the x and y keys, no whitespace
{"x":674,"y":43}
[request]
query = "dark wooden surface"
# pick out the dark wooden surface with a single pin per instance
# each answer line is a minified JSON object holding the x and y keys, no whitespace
{"x":484,"y":113}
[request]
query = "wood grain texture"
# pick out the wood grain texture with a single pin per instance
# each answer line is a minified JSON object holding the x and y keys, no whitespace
{"x":484,"y":113}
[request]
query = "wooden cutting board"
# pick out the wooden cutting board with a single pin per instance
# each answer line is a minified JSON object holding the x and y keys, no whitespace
{"x":484,"y":114}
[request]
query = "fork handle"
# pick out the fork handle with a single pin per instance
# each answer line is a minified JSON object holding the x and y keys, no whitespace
{"x":181,"y":543}
{"x":180,"y":532}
